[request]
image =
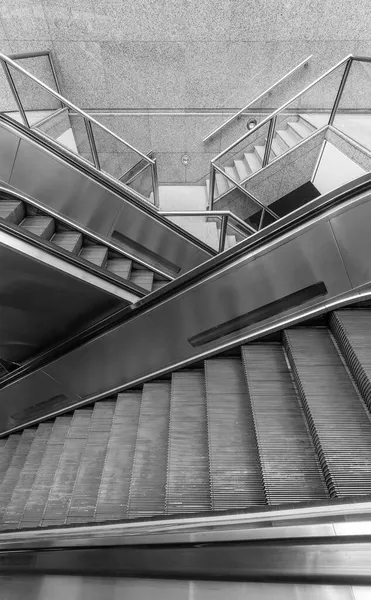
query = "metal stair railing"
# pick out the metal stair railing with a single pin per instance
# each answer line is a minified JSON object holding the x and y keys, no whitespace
{"x":88,"y":120}
{"x":271,"y":122}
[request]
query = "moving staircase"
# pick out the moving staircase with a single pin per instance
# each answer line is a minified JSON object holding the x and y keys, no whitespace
{"x":54,"y":231}
{"x":269,"y":423}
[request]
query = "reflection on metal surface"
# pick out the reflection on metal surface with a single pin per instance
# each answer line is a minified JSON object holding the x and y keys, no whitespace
{"x":260,"y":314}
{"x":154,"y":340}
{"x":57,"y":184}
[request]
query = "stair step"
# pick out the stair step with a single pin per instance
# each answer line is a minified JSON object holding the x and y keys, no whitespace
{"x":243,"y":169}
{"x":113,"y":497}
{"x":235,"y":475}
{"x":119,"y":266}
{"x":259,"y":151}
{"x":306,"y":123}
{"x":15,"y":467}
{"x":253,"y":163}
{"x":57,"y":505}
{"x":301,"y":130}
{"x":38,"y":497}
{"x":231,"y":171}
{"x":290,"y":467}
{"x":94,"y":254}
{"x":352,"y":332}
{"x":12,"y":210}
{"x":188,"y":486}
{"x":337,"y":417}
{"x":43,"y":227}
{"x":276,"y":147}
{"x":148,"y":481}
{"x":68,"y":240}
{"x":143,"y":278}
{"x":221,"y":184}
{"x":17,"y":503}
{"x":287,"y":137}
{"x":7,"y":452}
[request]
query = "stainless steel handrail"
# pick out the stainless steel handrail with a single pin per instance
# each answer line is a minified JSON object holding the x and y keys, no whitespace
{"x":238,"y":113}
{"x":271,"y":119}
{"x":6,"y":62}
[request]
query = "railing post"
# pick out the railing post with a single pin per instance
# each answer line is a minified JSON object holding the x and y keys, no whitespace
{"x":15,"y":93}
{"x":211,"y":186}
{"x":223,"y":233}
{"x":156,"y":197}
{"x":261,"y":219}
{"x":93,"y":148}
{"x":340,"y":90}
{"x":54,"y":73}
{"x":270,"y":136}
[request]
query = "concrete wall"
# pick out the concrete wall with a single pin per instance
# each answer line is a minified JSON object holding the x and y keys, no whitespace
{"x":179,"y":68}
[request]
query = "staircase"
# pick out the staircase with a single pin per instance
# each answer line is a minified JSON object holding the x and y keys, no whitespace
{"x":57,"y":233}
{"x":275,"y":422}
{"x":287,"y":135}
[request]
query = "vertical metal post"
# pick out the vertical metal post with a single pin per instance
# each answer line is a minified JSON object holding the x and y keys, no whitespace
{"x":261,"y":220}
{"x":223,"y":233}
{"x":15,"y":93}
{"x":340,"y":91}
{"x":54,"y":73}
{"x":211,"y":186}
{"x":156,"y":197}
{"x":270,"y":136}
{"x":93,"y":147}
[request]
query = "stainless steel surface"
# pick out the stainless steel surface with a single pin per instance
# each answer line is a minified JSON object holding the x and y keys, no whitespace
{"x":93,"y":148}
{"x":268,"y":144}
{"x":333,"y":561}
{"x":75,"y":195}
{"x":155,"y":184}
{"x":340,"y":91}
{"x":40,"y":301}
{"x":248,"y":229}
{"x":57,"y":587}
{"x":48,"y":118}
{"x":12,"y":192}
{"x":15,"y":94}
{"x":156,"y":340}
{"x":223,"y":233}
{"x":9,"y":143}
{"x":259,"y":97}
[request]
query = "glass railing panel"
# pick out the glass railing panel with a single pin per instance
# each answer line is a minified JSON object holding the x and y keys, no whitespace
{"x":140,"y":178}
{"x":242,"y":161}
{"x":353,"y":116}
{"x":206,"y":229}
{"x":235,"y":233}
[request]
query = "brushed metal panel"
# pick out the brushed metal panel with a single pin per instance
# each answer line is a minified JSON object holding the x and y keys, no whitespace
{"x":70,"y":192}
{"x":160,"y":337}
{"x":352,"y":232}
{"x":8,"y":151}
{"x":40,"y":305}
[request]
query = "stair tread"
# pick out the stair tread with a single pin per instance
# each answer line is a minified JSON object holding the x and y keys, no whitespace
{"x":143,"y":278}
{"x":252,"y":161}
{"x":12,"y":210}
{"x":288,"y":137}
{"x":221,"y":184}
{"x":242,"y":168}
{"x":94,"y":254}
{"x":300,"y":128}
{"x":68,"y":240}
{"x":119,"y":266}
{"x":41,"y":226}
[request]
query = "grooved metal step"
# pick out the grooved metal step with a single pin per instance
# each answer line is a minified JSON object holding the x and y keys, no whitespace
{"x":43,"y":227}
{"x":68,"y":240}
{"x":94,"y":254}
{"x":142,"y":278}
{"x":119,"y":266}
{"x":12,"y":210}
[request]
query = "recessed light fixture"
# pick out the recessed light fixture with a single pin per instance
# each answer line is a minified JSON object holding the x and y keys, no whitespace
{"x":251,"y":123}
{"x":185,"y":160}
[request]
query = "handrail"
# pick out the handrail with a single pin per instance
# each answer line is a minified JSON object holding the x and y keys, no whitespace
{"x":89,"y":120}
{"x":282,"y":107}
{"x":237,"y":114}
{"x":23,"y":55}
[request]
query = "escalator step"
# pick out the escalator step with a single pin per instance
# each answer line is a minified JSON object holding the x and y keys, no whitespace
{"x":27,"y":476}
{"x":336,"y":415}
{"x":148,"y":481}
{"x":235,"y":472}
{"x":290,"y":466}
{"x":12,"y":210}
{"x":157,"y":285}
{"x":95,"y":254}
{"x":188,"y":485}
{"x":113,"y":495}
{"x":68,"y":240}
{"x":142,"y":278}
{"x":15,"y":467}
{"x":58,"y":501}
{"x":119,"y":266}
{"x":43,"y":227}
{"x":352,"y":331}
{"x":7,"y":452}
{"x":35,"y":505}
{"x":85,"y":493}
